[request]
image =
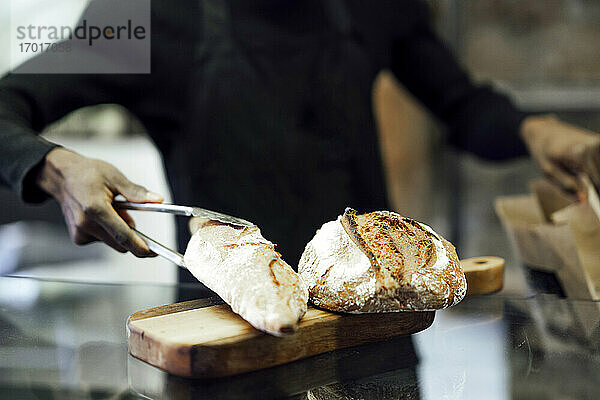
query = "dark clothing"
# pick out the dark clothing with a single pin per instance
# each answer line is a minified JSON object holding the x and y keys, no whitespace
{"x":263,"y":109}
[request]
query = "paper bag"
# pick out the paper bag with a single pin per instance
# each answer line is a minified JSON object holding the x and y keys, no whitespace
{"x":552,"y":231}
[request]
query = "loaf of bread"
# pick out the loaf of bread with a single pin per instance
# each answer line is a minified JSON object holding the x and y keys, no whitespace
{"x":244,"y":269}
{"x":380,"y":262}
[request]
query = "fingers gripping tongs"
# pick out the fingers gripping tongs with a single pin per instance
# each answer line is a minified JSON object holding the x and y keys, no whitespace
{"x":186,"y":211}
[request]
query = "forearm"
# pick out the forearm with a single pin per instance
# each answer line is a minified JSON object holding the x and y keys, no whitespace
{"x":479,"y":119}
{"x":21,"y":149}
{"x":28,"y":103}
{"x":487,"y":124}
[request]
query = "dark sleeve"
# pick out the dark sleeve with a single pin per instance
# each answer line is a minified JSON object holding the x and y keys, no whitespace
{"x":21,"y":150}
{"x":29,"y":102}
{"x":479,"y":119}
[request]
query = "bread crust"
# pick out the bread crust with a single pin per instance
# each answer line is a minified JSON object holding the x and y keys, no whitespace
{"x":380,"y":262}
{"x":244,"y":269}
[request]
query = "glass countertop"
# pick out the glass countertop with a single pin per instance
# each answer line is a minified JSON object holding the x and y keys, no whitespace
{"x":69,"y":340}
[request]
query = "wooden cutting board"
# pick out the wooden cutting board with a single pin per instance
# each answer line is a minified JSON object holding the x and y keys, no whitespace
{"x":192,"y":340}
{"x":196,"y":339}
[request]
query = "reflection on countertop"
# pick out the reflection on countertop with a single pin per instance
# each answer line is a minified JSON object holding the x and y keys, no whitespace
{"x":69,"y":340}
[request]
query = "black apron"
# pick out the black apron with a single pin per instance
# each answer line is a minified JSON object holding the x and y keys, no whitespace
{"x":282,"y":132}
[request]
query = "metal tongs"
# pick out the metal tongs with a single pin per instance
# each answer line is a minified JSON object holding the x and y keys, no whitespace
{"x":186,"y":211}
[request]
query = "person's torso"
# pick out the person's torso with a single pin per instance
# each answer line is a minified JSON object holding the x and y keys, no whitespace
{"x":276,"y":121}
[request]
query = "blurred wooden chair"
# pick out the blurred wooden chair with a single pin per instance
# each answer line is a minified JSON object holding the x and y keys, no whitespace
{"x":405,"y":134}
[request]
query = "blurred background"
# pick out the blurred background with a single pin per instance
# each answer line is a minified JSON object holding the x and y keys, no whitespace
{"x":544,"y":54}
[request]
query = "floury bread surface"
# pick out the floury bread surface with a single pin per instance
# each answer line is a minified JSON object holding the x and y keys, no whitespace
{"x":380,"y":262}
{"x":245,"y":270}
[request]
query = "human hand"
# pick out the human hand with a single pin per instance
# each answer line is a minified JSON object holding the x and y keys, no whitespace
{"x":85,"y":189}
{"x":562,"y":150}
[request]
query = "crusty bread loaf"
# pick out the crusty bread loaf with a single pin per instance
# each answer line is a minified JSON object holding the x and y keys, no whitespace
{"x":380,"y":262}
{"x":245,"y":270}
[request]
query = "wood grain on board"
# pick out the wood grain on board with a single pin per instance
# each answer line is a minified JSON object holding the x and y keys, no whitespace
{"x":190,"y":339}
